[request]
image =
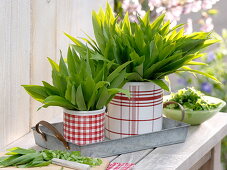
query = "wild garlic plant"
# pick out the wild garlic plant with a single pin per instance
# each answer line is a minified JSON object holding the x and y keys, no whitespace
{"x":154,"y":49}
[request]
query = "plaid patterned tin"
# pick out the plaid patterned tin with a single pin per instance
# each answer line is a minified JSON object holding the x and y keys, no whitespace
{"x":84,"y":127}
{"x":140,"y":114}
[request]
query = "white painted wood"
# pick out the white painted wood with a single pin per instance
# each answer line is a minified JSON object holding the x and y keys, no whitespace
{"x":26,"y":141}
{"x":214,"y":163}
{"x":111,"y":158}
{"x":14,"y":69}
{"x":202,"y":161}
{"x":43,"y":28}
{"x":132,"y":157}
{"x":216,"y":157}
{"x":201,"y":139}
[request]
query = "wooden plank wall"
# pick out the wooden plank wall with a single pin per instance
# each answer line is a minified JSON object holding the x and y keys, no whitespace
{"x":14,"y":69}
{"x":31,"y":31}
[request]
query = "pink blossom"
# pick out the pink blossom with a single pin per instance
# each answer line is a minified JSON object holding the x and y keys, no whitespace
{"x":207,"y":4}
{"x":177,"y":11}
{"x":173,"y":3}
{"x":160,"y":9}
{"x":155,"y":3}
{"x":187,"y":8}
{"x":214,"y":1}
{"x":141,"y":13}
{"x":207,"y":28}
{"x":131,"y":6}
{"x":196,"y":6}
{"x":207,"y":25}
{"x":169,"y":16}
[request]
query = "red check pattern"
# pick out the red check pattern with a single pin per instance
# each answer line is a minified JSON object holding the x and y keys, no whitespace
{"x":84,"y":129}
{"x":120,"y":166}
{"x":139,"y":114}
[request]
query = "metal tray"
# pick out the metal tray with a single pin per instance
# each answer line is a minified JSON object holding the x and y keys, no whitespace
{"x":173,"y":132}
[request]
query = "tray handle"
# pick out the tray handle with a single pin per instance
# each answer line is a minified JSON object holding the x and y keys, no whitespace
{"x":57,"y":134}
{"x":180,"y":106}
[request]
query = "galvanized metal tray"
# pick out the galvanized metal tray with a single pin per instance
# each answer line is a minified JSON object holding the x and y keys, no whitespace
{"x":173,"y":132}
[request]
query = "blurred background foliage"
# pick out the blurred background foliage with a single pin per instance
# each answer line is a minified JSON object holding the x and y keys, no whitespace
{"x":216,"y":57}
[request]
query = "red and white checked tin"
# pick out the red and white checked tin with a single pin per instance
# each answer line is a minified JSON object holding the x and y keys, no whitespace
{"x":84,"y":127}
{"x":140,"y":114}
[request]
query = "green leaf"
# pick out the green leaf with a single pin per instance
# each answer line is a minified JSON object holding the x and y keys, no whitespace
{"x":160,"y":83}
{"x":68,"y":92}
{"x":146,"y":18}
{"x":5,"y":162}
{"x":200,"y":72}
{"x":89,"y":87}
{"x":196,"y":63}
{"x":51,"y":90}
{"x":73,"y":95}
{"x":169,"y":82}
{"x":116,"y":72}
{"x":62,"y":67}
{"x":37,"y":92}
{"x":103,"y":98}
{"x":18,"y":150}
{"x":126,"y":24}
{"x":131,"y":77}
{"x":71,"y":62}
{"x":92,"y":44}
{"x":157,"y":23}
{"x":80,"y":99}
{"x":118,"y":80}
{"x":98,"y":30}
{"x":53,"y":64}
{"x":76,"y":41}
{"x":114,"y":91}
{"x":155,"y":67}
{"x":58,"y":101}
{"x":59,"y":82}
{"x":21,"y":159}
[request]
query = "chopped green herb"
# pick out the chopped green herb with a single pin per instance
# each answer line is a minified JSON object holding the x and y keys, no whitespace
{"x":191,"y":99}
{"x":26,"y":158}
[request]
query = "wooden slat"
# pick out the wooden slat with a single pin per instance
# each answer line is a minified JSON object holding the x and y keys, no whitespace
{"x":27,"y":141}
{"x":14,"y":69}
{"x":201,"y":162}
{"x":132,"y":157}
{"x":43,"y":46}
{"x":111,"y":158}
{"x":200,"y":140}
{"x":215,"y":160}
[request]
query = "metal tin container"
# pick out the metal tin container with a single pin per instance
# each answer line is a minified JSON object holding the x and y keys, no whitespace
{"x":172,"y":132}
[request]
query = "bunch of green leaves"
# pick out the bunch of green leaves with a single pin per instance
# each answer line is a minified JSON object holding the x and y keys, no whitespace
{"x":191,"y":99}
{"x":26,"y":158}
{"x":80,"y":83}
{"x":154,"y":49}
